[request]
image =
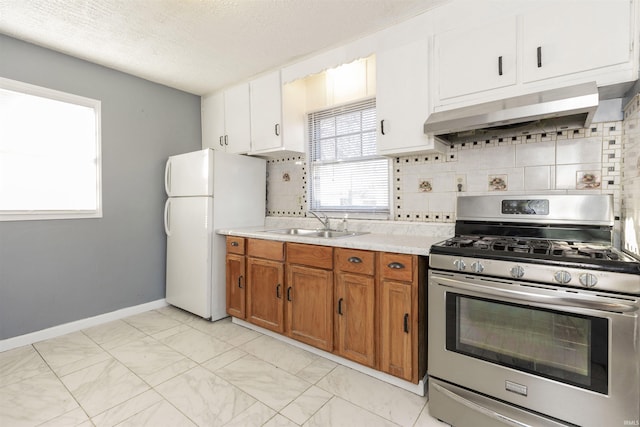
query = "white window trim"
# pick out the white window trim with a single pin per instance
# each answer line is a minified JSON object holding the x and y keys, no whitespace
{"x":96,"y":105}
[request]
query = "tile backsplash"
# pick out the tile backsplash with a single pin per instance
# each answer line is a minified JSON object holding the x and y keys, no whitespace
{"x":425,"y":187}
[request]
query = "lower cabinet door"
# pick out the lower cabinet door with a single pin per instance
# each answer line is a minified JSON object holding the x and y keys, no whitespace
{"x":396,"y":323}
{"x":236,"y":286}
{"x":265,"y":293}
{"x":355,"y":317}
{"x":309,"y":297}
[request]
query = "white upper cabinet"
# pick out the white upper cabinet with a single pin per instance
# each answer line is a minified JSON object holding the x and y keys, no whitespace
{"x":402,"y":99}
{"x":266,"y":113}
{"x":225,"y":120}
{"x":275,"y":124}
{"x":537,"y":46}
{"x":575,"y":37}
{"x":475,"y":60}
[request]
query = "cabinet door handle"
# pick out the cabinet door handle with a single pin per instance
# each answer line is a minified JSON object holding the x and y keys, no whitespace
{"x":235,"y":244}
{"x":277,"y":129}
{"x":354,"y":260}
{"x":226,"y":140}
{"x":539,"y":56}
{"x":278,"y":291}
{"x":340,"y":306}
{"x":221,"y":143}
{"x":406,"y":323}
{"x":382,"y":127}
{"x":499,"y":65}
{"x":240,"y":278}
{"x":396,"y":265}
{"x":289,"y":293}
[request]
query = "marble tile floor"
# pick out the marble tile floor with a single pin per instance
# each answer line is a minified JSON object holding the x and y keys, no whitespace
{"x":167,"y":367}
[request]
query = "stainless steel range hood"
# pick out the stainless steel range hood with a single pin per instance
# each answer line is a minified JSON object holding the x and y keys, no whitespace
{"x":552,"y":110}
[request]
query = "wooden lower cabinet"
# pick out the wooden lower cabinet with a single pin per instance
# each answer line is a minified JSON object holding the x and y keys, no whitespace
{"x":402,"y":315}
{"x":236,"y":286}
{"x":265,"y":301}
{"x":396,"y":317}
{"x":309,"y":306}
{"x":355,"y":318}
{"x":365,"y":306}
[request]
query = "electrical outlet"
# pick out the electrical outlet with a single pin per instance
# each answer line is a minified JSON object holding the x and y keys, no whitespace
{"x":461,"y":183}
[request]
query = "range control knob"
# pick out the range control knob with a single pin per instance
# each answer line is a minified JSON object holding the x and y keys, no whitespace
{"x":477,"y":267}
{"x":459,"y":265}
{"x":589,"y":280}
{"x":562,"y":276}
{"x":517,"y":272}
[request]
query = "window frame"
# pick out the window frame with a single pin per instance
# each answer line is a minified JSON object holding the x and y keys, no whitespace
{"x":353,"y":212}
{"x":56,"y":95}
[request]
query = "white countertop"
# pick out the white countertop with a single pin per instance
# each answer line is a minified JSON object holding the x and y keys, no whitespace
{"x":407,"y":244}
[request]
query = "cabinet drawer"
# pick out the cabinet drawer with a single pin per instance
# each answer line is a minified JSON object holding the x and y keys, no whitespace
{"x":396,"y":266}
{"x":355,"y":261}
{"x":311,"y":255}
{"x":235,"y":245}
{"x":269,"y":249}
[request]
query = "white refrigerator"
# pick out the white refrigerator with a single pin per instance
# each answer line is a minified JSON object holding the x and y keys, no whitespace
{"x":207,"y":190}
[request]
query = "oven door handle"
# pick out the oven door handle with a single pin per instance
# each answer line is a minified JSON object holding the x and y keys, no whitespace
{"x":478,"y":408}
{"x":548,"y":300}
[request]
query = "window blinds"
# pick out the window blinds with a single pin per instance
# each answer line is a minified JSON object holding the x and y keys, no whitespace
{"x":346,"y":174}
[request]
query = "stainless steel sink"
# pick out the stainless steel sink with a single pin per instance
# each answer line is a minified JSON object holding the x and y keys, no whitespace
{"x":294,"y":231}
{"x":332,"y":234}
{"x":325,"y":234}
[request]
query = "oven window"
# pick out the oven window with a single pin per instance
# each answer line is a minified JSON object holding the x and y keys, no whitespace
{"x":563,"y":346}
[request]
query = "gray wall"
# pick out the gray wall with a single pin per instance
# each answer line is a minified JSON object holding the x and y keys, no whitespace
{"x":57,"y":271}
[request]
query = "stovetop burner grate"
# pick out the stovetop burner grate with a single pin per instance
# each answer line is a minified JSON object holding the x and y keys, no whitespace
{"x":544,"y":249}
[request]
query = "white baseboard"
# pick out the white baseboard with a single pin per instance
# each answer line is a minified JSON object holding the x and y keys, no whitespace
{"x":78,"y":325}
{"x":419,"y":389}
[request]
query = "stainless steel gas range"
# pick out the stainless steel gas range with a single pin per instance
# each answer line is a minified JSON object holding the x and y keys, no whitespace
{"x":533,"y":316}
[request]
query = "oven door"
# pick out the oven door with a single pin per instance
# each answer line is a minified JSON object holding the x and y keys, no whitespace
{"x":561,"y":352}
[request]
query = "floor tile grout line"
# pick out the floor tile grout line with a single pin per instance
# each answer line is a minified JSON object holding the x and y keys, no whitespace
{"x":59,"y":378}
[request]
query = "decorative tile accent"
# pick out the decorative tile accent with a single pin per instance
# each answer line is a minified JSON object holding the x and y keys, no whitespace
{"x":588,"y":180}
{"x":425,"y":186}
{"x":497,"y":182}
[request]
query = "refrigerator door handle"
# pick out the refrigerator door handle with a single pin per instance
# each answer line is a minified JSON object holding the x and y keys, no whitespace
{"x":167,"y":177}
{"x":167,"y":217}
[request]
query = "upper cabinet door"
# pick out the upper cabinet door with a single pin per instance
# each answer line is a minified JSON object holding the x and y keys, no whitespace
{"x":237,"y":119}
{"x":266,"y":112}
{"x":402,"y":98}
{"x":570,"y":38}
{"x":475,"y":60}
{"x":212,"y":110}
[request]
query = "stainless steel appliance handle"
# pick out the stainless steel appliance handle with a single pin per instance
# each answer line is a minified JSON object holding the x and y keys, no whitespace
{"x":547,"y":300}
{"x":488,"y":412}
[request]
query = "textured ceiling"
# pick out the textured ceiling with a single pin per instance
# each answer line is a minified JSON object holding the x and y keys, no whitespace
{"x":198,"y":46}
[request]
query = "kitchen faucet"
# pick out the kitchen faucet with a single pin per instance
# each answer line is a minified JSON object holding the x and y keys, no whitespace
{"x":324,"y":220}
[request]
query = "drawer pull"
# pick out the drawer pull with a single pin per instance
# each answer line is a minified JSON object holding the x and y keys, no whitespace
{"x":235,"y":244}
{"x":355,"y":260}
{"x":278,"y":291}
{"x":289,"y":293}
{"x":396,"y":265}
{"x":240,"y":278}
{"x":406,"y":323}
{"x":340,"y":306}
{"x":500,"y":65}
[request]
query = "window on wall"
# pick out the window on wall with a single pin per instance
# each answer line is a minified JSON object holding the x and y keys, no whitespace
{"x":49,"y":154}
{"x":346,"y":174}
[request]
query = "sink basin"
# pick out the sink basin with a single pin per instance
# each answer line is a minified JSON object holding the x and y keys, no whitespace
{"x":295,"y":231}
{"x":325,"y":234}
{"x":332,"y":234}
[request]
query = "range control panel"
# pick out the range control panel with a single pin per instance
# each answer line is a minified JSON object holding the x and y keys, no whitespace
{"x":525,"y":207}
